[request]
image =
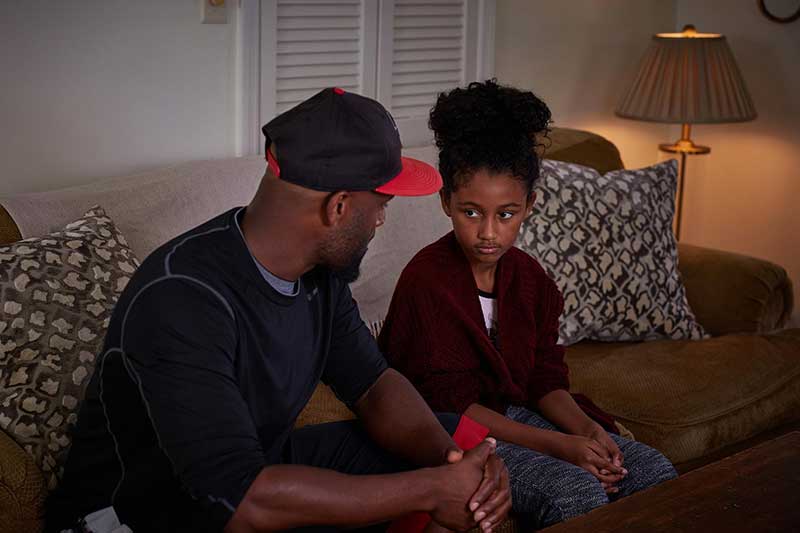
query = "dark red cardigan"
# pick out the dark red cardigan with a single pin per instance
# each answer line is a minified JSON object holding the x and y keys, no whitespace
{"x":436,"y":336}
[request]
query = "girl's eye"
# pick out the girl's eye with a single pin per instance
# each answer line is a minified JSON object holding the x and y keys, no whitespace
{"x":505,"y":215}
{"x":471,"y":213}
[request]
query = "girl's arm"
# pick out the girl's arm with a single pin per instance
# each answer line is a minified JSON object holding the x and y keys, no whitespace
{"x":559,"y":407}
{"x":550,"y":383}
{"x":581,"y":450}
{"x":503,"y":428}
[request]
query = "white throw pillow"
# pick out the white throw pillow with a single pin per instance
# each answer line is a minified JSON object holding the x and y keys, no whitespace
{"x":607,"y":241}
{"x":57,"y":293}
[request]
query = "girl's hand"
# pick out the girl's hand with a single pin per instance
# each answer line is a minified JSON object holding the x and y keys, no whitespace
{"x":590,"y":455}
{"x":597,"y":433}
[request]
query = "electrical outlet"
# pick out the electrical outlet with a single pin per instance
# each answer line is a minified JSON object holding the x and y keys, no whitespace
{"x":213,"y":11}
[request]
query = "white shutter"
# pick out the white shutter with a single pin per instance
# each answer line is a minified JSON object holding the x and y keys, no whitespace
{"x":318,"y":46}
{"x":427,"y":47}
{"x":401,"y":52}
{"x":310,"y":45}
{"x":427,"y":54}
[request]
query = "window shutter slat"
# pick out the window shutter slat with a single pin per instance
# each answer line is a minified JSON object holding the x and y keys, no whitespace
{"x":310,"y":47}
{"x":449,"y":76}
{"x":318,"y":2}
{"x":426,"y":33}
{"x":314,"y":59}
{"x":312,"y":9}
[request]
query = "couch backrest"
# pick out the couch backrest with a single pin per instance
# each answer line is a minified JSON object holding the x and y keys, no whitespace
{"x":411,"y":223}
{"x":152,"y":207}
{"x":149,"y":208}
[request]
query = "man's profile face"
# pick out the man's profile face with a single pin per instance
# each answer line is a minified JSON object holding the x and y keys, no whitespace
{"x":345,"y":250}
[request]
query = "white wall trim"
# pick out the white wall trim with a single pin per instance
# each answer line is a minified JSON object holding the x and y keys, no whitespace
{"x":486,"y":33}
{"x":385,"y":51}
{"x":370,"y":10}
{"x":247,"y":78}
{"x":268,"y":64}
{"x":472,"y":37}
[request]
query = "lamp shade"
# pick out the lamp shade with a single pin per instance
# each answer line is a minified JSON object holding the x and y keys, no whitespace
{"x":688,"y":78}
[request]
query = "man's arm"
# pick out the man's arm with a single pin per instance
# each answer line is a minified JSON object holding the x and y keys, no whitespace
{"x":399,"y":421}
{"x":392,"y":411}
{"x":287,"y":496}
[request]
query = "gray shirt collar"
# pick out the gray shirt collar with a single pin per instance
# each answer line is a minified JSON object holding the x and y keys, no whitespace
{"x":287,"y":288}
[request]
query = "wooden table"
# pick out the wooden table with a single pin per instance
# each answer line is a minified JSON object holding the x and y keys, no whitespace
{"x":756,"y":490}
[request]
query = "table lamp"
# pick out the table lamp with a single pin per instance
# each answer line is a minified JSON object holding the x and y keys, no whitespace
{"x":687,"y":78}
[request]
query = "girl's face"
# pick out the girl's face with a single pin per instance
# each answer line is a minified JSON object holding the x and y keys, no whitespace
{"x":487,"y":212}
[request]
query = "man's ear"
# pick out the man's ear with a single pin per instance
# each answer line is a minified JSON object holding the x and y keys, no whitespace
{"x":445,"y":202}
{"x":337,"y":207}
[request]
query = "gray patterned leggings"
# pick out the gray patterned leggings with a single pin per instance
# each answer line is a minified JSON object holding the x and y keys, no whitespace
{"x":546,"y":490}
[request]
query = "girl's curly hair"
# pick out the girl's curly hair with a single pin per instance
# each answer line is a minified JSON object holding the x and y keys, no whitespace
{"x":488,"y":126}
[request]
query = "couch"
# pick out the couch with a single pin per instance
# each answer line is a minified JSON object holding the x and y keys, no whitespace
{"x":687,"y":398}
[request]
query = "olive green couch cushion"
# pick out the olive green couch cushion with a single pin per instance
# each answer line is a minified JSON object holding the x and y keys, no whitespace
{"x":691,"y":398}
{"x":22,"y":489}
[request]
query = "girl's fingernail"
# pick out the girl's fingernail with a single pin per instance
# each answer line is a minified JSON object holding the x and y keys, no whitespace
{"x":473,"y":506}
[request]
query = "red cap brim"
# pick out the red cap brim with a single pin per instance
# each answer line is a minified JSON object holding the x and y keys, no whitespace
{"x":416,"y":179}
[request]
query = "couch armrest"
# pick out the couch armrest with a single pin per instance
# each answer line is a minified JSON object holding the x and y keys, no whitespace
{"x":323,"y":407}
{"x":22,"y":489}
{"x":584,"y":148}
{"x":9,"y":232}
{"x":732,"y":293}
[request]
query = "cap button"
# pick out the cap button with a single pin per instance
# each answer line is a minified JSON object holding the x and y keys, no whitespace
{"x":338,"y":90}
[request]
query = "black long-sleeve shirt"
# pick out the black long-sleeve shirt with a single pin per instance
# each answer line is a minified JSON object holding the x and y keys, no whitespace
{"x":204,"y":370}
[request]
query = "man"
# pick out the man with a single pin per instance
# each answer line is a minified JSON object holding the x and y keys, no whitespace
{"x":222,"y":335}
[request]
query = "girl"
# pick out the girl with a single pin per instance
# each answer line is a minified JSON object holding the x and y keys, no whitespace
{"x":473,"y":322}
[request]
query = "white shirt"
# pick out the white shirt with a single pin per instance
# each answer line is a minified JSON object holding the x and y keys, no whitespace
{"x":489,"y":308}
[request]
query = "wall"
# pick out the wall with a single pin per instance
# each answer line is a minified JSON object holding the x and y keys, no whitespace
{"x":100,"y":88}
{"x":578,"y":56}
{"x":744,"y":195}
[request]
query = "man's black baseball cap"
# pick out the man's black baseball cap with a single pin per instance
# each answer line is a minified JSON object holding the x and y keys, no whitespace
{"x":342,"y":141}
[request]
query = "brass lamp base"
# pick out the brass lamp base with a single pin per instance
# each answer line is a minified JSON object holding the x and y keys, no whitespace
{"x":683,"y":146}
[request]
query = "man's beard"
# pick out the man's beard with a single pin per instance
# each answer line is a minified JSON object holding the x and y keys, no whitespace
{"x":350,"y":272}
{"x":345,"y":251}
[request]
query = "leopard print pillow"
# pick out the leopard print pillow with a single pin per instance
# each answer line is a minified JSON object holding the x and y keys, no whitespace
{"x":607,"y":242}
{"x":56,"y":297}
